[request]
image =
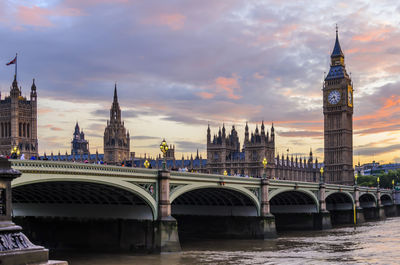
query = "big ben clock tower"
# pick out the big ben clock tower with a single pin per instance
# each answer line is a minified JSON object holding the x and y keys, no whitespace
{"x":338,"y":121}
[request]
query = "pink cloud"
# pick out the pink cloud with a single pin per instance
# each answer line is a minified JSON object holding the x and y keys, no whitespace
{"x":93,"y":2}
{"x":229,"y":85}
{"x":34,"y":16}
{"x":40,"y":17}
{"x":205,"y":95}
{"x":174,"y":21}
{"x":379,"y":34}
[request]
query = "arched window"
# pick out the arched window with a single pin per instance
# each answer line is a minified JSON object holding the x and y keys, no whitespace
{"x":28,"y":128}
{"x":24,"y":129}
{"x":20,"y":129}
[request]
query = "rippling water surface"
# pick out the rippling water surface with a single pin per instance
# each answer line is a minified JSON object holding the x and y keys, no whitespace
{"x":371,"y":243}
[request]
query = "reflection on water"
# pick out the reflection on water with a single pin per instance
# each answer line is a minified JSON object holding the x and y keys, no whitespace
{"x":371,"y":243}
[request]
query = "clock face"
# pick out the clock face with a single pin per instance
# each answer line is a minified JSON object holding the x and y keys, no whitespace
{"x":350,"y":97}
{"x":334,"y":97}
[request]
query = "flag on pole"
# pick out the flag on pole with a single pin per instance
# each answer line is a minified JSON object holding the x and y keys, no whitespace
{"x":14,"y":61}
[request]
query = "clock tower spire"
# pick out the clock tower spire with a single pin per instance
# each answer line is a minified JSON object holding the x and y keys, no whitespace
{"x":338,"y":120}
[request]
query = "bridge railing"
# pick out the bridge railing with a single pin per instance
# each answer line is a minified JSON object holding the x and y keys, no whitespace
{"x":24,"y":165}
{"x":216,"y":177}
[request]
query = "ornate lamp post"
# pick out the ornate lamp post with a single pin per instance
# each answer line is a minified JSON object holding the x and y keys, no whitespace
{"x":164,"y":149}
{"x":355,"y":179}
{"x":321,"y":179}
{"x":225,"y":173}
{"x":146,"y":164}
{"x":392,"y":183}
{"x":15,"y":152}
{"x":265,"y":162}
{"x":377,"y":180}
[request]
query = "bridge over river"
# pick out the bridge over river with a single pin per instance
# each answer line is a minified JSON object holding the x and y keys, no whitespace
{"x":64,"y":204}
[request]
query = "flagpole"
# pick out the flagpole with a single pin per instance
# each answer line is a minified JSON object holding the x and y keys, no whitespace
{"x":16,"y":60}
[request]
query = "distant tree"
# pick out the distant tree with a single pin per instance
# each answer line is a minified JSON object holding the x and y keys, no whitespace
{"x":385,"y":179}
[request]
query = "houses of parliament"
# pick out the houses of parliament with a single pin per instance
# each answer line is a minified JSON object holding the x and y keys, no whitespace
{"x":18,"y":125}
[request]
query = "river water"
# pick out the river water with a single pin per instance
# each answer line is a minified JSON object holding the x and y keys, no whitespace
{"x":370,"y":243}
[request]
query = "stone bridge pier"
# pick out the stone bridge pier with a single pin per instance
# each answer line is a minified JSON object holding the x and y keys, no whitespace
{"x":166,"y":228}
{"x":267,"y":220}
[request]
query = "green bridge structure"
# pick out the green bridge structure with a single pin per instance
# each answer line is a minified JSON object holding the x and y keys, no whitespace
{"x":64,"y":204}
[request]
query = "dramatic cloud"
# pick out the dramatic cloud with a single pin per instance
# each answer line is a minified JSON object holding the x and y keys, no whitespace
{"x":190,"y":147}
{"x":301,"y":134}
{"x":144,"y":137}
{"x":372,"y":151}
{"x":180,"y":65}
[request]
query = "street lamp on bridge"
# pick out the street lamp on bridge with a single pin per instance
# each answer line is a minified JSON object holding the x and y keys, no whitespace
{"x":321,"y":178}
{"x":355,"y":179}
{"x":392,"y":183}
{"x":146,"y":164}
{"x":15,"y":152}
{"x":164,"y":149}
{"x":377,"y":180}
{"x":265,"y":162}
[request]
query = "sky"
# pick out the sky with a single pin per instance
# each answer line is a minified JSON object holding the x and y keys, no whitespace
{"x":180,"y":65}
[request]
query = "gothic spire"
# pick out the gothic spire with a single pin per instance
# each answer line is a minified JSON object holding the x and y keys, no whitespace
{"x":115,"y":94}
{"x":76,"y":128}
{"x":33,"y":87}
{"x":337,"y":51}
{"x":14,"y":92}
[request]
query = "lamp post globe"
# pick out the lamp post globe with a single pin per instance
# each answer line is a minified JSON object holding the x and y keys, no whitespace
{"x":322,"y":175}
{"x":265,"y":162}
{"x":164,"y":148}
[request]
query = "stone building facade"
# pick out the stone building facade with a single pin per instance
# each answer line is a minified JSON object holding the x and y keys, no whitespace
{"x":116,"y":137}
{"x":338,"y":120}
{"x":79,"y":145}
{"x":18,"y":122}
{"x":224,"y":153}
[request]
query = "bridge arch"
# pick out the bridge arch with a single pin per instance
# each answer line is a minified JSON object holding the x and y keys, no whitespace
{"x":367,"y":200}
{"x":224,"y":198}
{"x":285,"y":198}
{"x":339,"y":201}
{"x":386,"y":199}
{"x":116,"y":187}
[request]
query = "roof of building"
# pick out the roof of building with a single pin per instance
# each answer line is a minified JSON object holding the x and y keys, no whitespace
{"x":335,"y":72}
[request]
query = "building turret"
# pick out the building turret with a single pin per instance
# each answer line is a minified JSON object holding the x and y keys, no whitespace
{"x":33,"y":91}
{"x":272,"y":133}
{"x":246,"y":133}
{"x":262,"y":128}
{"x":14,"y":91}
{"x":116,"y":138}
{"x":208,"y":134}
